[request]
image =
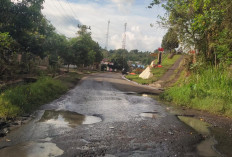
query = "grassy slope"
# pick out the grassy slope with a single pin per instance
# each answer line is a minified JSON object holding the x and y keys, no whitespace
{"x":208,"y":90}
{"x":26,"y":98}
{"x":157,"y":72}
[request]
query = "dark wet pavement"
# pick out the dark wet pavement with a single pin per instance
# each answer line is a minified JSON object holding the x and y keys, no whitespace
{"x":103,"y":116}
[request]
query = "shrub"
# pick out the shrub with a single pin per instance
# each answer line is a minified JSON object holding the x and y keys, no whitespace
{"x":25,"y":98}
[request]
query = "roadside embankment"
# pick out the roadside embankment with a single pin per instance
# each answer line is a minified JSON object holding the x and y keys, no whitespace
{"x":208,"y":90}
{"x":157,"y":72}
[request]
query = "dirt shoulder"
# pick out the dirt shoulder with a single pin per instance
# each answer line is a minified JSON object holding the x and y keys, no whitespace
{"x":170,"y":77}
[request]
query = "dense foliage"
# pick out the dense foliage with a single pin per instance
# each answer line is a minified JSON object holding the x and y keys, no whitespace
{"x":204,"y":25}
{"x":170,"y":40}
{"x":25,"y":32}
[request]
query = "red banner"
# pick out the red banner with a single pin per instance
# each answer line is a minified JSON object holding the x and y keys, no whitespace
{"x":161,"y":49}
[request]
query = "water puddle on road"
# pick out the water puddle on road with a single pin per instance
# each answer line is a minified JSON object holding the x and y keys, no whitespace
{"x":223,"y":137}
{"x":150,"y":114}
{"x":206,"y":148}
{"x":198,"y":125}
{"x":29,"y":149}
{"x":67,"y":118}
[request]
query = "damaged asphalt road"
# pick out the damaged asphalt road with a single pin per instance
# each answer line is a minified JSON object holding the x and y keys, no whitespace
{"x":102,"y":116}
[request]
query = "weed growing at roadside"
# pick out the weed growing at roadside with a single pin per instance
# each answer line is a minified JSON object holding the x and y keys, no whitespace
{"x":25,"y":98}
{"x":206,"y":90}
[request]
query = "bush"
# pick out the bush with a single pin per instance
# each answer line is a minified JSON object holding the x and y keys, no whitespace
{"x":25,"y":98}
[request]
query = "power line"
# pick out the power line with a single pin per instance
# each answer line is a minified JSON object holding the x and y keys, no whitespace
{"x":65,"y":11}
{"x":60,"y":14}
{"x":72,"y":9}
{"x":55,"y":18}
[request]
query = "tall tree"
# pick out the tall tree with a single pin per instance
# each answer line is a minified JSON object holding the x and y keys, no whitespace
{"x":202,"y":24}
{"x":8,"y":56}
{"x":170,"y":40}
{"x":84,"y":49}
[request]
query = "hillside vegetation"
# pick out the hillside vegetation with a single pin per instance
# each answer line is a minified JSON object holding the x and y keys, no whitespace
{"x":205,"y":28}
{"x":24,"y":99}
{"x":157,"y":72}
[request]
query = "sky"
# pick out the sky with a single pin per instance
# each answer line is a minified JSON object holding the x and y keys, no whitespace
{"x":65,"y":15}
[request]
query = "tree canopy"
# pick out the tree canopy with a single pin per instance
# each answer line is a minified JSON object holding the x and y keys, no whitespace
{"x":25,"y":31}
{"x":170,"y":40}
{"x":203,"y":24}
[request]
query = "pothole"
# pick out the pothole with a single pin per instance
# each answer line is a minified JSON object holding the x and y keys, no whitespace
{"x":130,"y":93}
{"x":67,"y":118}
{"x":32,"y":149}
{"x":150,"y":114}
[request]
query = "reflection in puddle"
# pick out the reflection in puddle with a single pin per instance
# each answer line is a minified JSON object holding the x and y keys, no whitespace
{"x":67,"y":118}
{"x":30,"y":149}
{"x":198,"y":125}
{"x":206,"y":147}
{"x":224,"y":139}
{"x":145,"y":95}
{"x":150,"y":114}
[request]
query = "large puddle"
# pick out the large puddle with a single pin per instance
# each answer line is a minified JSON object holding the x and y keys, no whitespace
{"x":207,"y":148}
{"x":67,"y":118}
{"x":32,"y":149}
{"x":198,"y":125}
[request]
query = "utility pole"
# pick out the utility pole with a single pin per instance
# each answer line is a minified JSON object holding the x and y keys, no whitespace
{"x":107,"y":35}
{"x":124,"y":45}
{"x":124,"y":38}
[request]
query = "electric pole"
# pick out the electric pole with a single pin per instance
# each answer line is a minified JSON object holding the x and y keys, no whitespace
{"x":124,"y":38}
{"x":107,"y":35}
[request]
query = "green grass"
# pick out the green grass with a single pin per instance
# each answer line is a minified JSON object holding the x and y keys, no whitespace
{"x":70,"y":79}
{"x":208,"y":90}
{"x":166,"y":64}
{"x":157,"y":72}
{"x":26,"y":98}
{"x":139,"y":80}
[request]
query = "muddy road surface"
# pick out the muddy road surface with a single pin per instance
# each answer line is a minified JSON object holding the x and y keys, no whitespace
{"x":104,"y":115}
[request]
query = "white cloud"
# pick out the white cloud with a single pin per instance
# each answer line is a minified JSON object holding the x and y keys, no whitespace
{"x":65,"y":17}
{"x":135,"y":28}
{"x":123,"y":5}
